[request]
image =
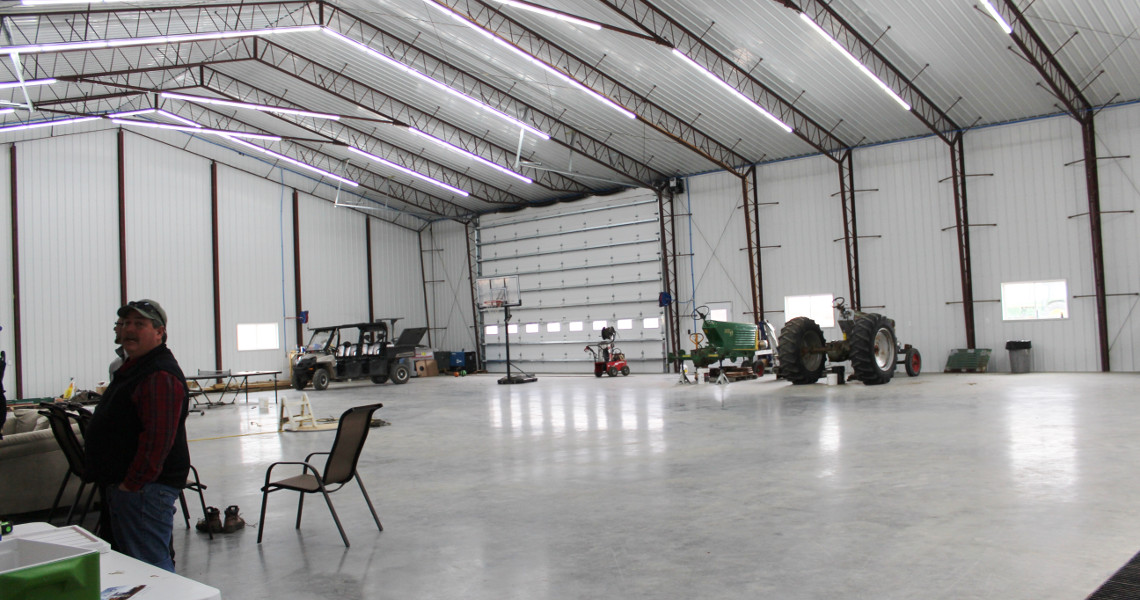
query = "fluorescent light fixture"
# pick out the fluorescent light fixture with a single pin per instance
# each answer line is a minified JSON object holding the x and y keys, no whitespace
{"x":544,"y":66}
{"x":471,"y":155}
{"x":7,"y":111}
{"x":550,"y":13}
{"x":157,"y":111}
{"x":294,"y":161}
{"x":54,"y":123}
{"x":408,"y":171}
{"x":162,"y":39}
{"x":51,"y":2}
{"x":197,"y":129}
{"x":260,"y":107}
{"x":14,"y":84}
{"x":734,"y":91}
{"x":997,"y":17}
{"x":401,"y":66}
{"x":855,"y":61}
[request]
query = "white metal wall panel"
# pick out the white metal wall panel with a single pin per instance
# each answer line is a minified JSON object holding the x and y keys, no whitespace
{"x":803,"y":228}
{"x":397,"y":286}
{"x":1117,"y":133}
{"x":69,"y":259}
{"x":908,"y":265}
{"x":713,"y":265}
{"x":334,"y":268}
{"x":169,"y":244}
{"x":7,"y":310}
{"x":1030,"y":197}
{"x":255,"y":246}
{"x":448,"y":286}
{"x":596,"y":259}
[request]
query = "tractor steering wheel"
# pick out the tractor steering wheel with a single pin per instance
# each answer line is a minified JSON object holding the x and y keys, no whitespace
{"x":701,"y":312}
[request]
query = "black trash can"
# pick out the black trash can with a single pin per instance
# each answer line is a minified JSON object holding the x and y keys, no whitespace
{"x":1018,"y":355}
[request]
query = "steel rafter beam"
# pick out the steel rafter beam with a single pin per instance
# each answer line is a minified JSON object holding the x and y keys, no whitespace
{"x":925,"y":110}
{"x":563,"y":133}
{"x":667,"y":222}
{"x":673,"y":34}
{"x":1079,"y":108}
{"x":350,"y":90}
{"x":490,"y":19}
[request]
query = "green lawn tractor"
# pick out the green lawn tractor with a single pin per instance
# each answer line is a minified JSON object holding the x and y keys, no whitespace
{"x":724,"y":340}
{"x":869,"y":342}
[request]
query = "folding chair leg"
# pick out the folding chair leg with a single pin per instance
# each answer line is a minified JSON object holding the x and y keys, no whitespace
{"x":300,"y":505}
{"x":335,"y":518}
{"x":59,"y":495}
{"x":369,"y":501}
{"x":261,"y":522}
{"x":87,"y":505}
{"x":185,"y":511}
{"x":76,"y":502}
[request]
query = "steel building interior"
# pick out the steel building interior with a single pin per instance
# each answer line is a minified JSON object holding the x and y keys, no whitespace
{"x":964,"y":167}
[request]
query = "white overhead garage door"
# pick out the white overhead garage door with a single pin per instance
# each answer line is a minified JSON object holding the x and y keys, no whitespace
{"x":582,"y":266}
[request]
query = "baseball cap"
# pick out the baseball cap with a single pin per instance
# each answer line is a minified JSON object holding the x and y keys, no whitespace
{"x":147,"y":308}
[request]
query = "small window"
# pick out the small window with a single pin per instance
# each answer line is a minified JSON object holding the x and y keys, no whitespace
{"x":532,"y":327}
{"x":553,"y":327}
{"x":718,"y":314}
{"x":599,"y":325}
{"x":625,"y":324}
{"x":257,"y":336}
{"x":817,"y":308}
{"x":512,"y":328}
{"x":1034,"y":300}
{"x":491,"y":330}
{"x":575,"y":326}
{"x":651,"y":323}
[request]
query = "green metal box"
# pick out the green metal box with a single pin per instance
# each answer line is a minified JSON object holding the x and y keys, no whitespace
{"x":34,"y":570}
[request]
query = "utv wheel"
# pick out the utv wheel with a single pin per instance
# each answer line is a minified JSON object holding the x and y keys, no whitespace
{"x":801,"y":351}
{"x":378,"y":379}
{"x":624,"y":371}
{"x":913,"y":361}
{"x":611,"y":371}
{"x":597,"y":373}
{"x":321,"y":380}
{"x":873,"y":349}
{"x":399,"y":374}
{"x":299,"y":382}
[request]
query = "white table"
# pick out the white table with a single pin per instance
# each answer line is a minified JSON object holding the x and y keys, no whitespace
{"x":119,"y":569}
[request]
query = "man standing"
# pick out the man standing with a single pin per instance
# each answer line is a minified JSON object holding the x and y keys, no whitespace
{"x":136,"y":440}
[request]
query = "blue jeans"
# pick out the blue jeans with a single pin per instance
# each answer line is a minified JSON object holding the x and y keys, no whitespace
{"x":142,"y":522}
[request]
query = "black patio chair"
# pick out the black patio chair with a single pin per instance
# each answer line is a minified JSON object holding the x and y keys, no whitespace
{"x":60,"y":421}
{"x":340,"y":468}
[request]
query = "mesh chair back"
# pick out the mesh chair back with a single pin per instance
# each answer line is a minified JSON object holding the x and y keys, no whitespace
{"x":65,"y":436}
{"x":350,"y":435}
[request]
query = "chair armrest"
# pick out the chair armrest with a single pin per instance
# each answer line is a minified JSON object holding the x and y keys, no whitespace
{"x":307,"y":467}
{"x":310,"y":457}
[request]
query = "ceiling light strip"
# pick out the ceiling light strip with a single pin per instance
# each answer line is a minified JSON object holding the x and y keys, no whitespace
{"x":542,"y":11}
{"x":731,"y":89}
{"x":197,"y":129}
{"x":408,"y":171}
{"x":293,"y":161}
{"x":259,"y":107}
{"x":549,"y":69}
{"x":471,"y":155}
{"x":855,"y":61}
{"x":997,"y":17}
{"x":401,"y":66}
{"x":163,"y":39}
{"x":54,"y":123}
{"x":7,"y":111}
{"x":14,"y":84}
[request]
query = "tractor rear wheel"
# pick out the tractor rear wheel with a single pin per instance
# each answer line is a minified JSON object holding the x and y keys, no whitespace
{"x":801,"y":348}
{"x":874,"y":351}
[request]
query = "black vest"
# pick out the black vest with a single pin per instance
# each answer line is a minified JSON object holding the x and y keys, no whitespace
{"x":112,"y":436}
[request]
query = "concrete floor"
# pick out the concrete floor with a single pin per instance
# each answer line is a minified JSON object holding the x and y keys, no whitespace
{"x":938,"y":487}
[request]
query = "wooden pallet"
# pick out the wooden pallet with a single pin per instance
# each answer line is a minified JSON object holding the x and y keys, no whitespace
{"x":963,"y":360}
{"x":733,"y":374}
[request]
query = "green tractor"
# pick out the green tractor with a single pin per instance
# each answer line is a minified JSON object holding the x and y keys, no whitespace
{"x":869,"y":342}
{"x":724,"y":340}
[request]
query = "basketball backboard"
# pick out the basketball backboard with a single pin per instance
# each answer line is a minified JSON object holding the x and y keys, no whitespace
{"x":497,"y":292}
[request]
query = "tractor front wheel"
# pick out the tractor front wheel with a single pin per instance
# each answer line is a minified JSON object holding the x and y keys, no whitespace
{"x":801,"y":348}
{"x":913,"y":361}
{"x":873,"y":349}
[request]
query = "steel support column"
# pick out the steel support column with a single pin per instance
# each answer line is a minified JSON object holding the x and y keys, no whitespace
{"x":471,"y":232}
{"x":850,"y":228}
{"x":752,"y":235}
{"x":665,"y":209}
{"x":962,"y":232}
{"x":1092,"y":181}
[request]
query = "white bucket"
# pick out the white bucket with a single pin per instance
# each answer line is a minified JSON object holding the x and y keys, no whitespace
{"x":832,"y":379}
{"x":263,"y":404}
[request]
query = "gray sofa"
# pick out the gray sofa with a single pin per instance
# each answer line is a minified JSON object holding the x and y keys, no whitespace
{"x":31,"y":465}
